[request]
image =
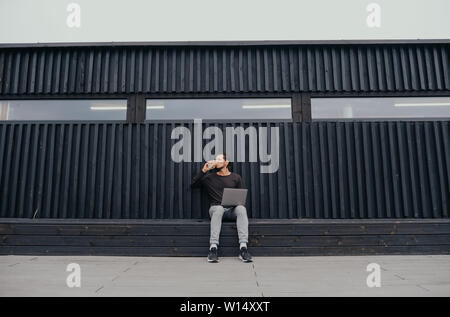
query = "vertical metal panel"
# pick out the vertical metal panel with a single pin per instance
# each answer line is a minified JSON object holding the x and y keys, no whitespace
{"x":293,"y":68}
{"x":327,"y":170}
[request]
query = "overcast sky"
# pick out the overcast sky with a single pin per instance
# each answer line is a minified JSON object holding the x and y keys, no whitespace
{"x":31,"y":21}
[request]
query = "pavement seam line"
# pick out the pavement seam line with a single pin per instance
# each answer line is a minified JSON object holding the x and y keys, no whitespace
{"x":420,"y":286}
{"x":400,"y":277}
{"x":256,"y":280}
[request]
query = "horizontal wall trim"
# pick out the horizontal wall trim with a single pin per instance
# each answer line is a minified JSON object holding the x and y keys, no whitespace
{"x":275,"y":237}
{"x":213,"y":121}
{"x":181,"y":95}
{"x":355,"y":223}
{"x":226,"y":43}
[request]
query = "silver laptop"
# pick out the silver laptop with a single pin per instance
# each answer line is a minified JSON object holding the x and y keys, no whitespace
{"x":234,"y":196}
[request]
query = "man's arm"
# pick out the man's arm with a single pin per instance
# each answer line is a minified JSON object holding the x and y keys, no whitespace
{"x":198,"y":178}
{"x":240,"y":184}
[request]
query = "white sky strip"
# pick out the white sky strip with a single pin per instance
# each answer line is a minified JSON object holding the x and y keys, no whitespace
{"x":52,"y":21}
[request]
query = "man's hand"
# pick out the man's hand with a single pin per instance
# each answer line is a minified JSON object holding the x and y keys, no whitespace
{"x":208,"y":166}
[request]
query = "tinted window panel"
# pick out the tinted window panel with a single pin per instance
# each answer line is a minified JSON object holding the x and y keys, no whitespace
{"x":383,"y":108}
{"x":231,"y":108}
{"x":77,"y":109}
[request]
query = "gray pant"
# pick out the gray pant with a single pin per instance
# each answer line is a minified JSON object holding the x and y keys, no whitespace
{"x":238,"y":213}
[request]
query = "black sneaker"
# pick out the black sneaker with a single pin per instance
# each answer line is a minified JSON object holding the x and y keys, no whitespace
{"x":244,"y":255}
{"x":212,"y":255}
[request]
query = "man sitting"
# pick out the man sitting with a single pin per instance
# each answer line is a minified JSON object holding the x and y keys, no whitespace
{"x":214,"y":177}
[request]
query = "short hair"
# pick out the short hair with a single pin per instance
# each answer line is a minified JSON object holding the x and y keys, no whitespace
{"x":224,"y":156}
{"x":230,"y":164}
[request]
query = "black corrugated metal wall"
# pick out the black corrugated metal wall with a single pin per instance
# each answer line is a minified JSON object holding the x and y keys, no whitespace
{"x":190,"y":69}
{"x":327,"y":170}
{"x":123,"y":170}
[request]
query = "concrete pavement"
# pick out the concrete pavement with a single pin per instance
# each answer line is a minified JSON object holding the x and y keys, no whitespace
{"x":411,"y":275}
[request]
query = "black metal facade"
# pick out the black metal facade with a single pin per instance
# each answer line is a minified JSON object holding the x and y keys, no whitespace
{"x":327,"y":170}
{"x":113,"y":170}
{"x":226,"y":69}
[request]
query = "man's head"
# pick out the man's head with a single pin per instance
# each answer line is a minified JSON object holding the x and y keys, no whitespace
{"x":221,"y":161}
